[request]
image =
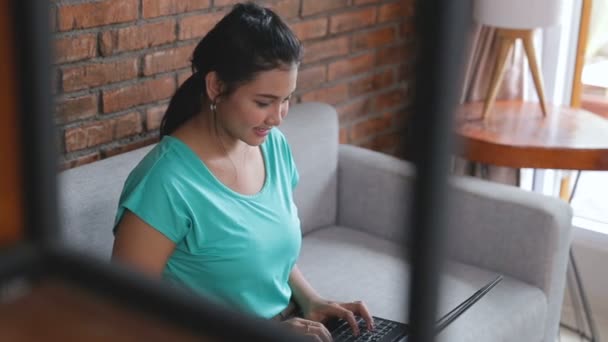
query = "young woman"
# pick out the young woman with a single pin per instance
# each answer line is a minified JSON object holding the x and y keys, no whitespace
{"x":210,"y":207}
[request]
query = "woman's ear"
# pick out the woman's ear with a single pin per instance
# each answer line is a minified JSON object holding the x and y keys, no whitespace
{"x":213,"y":85}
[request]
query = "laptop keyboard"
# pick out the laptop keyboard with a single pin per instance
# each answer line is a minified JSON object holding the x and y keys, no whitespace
{"x":383,"y":328}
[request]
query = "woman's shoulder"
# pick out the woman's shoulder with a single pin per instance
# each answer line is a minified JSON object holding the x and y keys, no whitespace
{"x":159,"y":163}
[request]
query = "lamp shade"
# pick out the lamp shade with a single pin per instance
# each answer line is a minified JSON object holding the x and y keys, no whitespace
{"x":517,"y":14}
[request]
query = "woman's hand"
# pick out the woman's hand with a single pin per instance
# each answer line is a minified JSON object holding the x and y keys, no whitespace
{"x":320,"y":310}
{"x":316,"y":330}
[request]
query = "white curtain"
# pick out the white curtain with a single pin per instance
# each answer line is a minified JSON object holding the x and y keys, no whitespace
{"x":598,"y":30}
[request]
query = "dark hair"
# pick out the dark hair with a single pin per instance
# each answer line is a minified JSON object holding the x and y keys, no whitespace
{"x":248,"y":40}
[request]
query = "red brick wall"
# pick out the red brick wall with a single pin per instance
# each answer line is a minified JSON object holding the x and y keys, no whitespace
{"x":119,"y":61}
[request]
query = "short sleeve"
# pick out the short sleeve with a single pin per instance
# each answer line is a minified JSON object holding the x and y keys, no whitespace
{"x":156,"y":199}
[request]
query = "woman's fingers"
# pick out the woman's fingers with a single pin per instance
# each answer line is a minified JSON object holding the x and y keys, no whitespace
{"x":360,"y":309}
{"x":312,"y":328}
{"x":347,"y":315}
{"x":321,"y":331}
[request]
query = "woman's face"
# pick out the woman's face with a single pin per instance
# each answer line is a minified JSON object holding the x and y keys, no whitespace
{"x":254,"y":108}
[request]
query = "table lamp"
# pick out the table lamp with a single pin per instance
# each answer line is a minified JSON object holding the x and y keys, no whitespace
{"x":516,"y":19}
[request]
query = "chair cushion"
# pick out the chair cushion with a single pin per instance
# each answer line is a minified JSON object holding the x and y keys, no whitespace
{"x":344,"y":264}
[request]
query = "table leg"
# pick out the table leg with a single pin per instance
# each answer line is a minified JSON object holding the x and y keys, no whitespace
{"x":567,"y":195}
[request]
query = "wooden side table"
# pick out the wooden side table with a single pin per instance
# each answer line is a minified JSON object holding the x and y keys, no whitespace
{"x":517,"y":135}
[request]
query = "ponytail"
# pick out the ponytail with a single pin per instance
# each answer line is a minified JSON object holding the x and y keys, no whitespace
{"x":185,"y":104}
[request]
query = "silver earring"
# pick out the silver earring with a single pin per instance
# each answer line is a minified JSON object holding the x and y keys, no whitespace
{"x":213,"y":107}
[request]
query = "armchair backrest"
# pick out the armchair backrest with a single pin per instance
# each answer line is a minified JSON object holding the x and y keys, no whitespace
{"x":312,"y":132}
{"x":88,"y":198}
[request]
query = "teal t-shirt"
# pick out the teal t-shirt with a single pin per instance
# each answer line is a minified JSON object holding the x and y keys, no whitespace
{"x":232,"y":248}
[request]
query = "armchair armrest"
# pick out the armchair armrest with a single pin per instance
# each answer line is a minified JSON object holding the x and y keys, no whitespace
{"x":520,"y":234}
{"x":517,"y":233}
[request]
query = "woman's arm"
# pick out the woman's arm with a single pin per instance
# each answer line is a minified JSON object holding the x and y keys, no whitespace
{"x":318,"y":309}
{"x":303,"y":292}
{"x":139,"y":245}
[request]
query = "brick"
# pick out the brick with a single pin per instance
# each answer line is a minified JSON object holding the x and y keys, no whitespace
{"x":407,"y":29}
{"x":370,"y":127}
{"x":127,"y":125}
{"x":183,"y":76}
{"x":404,"y":72}
{"x":167,"y":60}
{"x":353,"y":20}
{"x":144,"y":92}
{"x":89,"y":135}
{"x":157,"y":8}
{"x":331,"y":95}
{"x":390,"y":99}
{"x":110,"y":152}
{"x":325,"y":49}
{"x":79,"y":161}
{"x":97,"y":74}
{"x":98,"y":13}
{"x":75,"y":139}
{"x":355,"y":109}
{"x":393,"y":54}
{"x":351,"y":66}
{"x":371,"y":83}
{"x":75,"y":48}
{"x":154,"y":116}
{"x":396,"y":10}
{"x":197,"y":26}
{"x":137,"y":37}
{"x":316,"y":6}
{"x":383,"y":142}
{"x":221,"y":3}
{"x":374,"y":38}
{"x":311,"y":77}
{"x":286,"y":9}
{"x":343,"y":135}
{"x":99,"y":133}
{"x":78,"y":108}
{"x":309,"y":29}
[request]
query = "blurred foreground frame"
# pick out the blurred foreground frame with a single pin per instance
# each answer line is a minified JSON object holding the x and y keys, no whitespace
{"x":49,"y":291}
{"x":441,"y":28}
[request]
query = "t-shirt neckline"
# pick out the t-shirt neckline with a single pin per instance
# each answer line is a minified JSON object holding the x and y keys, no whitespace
{"x":183,"y":146}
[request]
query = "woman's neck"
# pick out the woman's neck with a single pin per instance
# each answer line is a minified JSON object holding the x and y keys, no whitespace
{"x":217,"y":136}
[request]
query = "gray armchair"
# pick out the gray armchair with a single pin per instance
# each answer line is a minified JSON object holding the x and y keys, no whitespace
{"x":353,"y":207}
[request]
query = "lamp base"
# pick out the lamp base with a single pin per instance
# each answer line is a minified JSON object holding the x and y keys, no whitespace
{"x":506,"y":40}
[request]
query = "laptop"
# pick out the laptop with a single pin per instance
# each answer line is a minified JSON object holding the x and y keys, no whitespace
{"x":390,"y":331}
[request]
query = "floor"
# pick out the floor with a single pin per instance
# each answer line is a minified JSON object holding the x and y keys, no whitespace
{"x":602,"y":326}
